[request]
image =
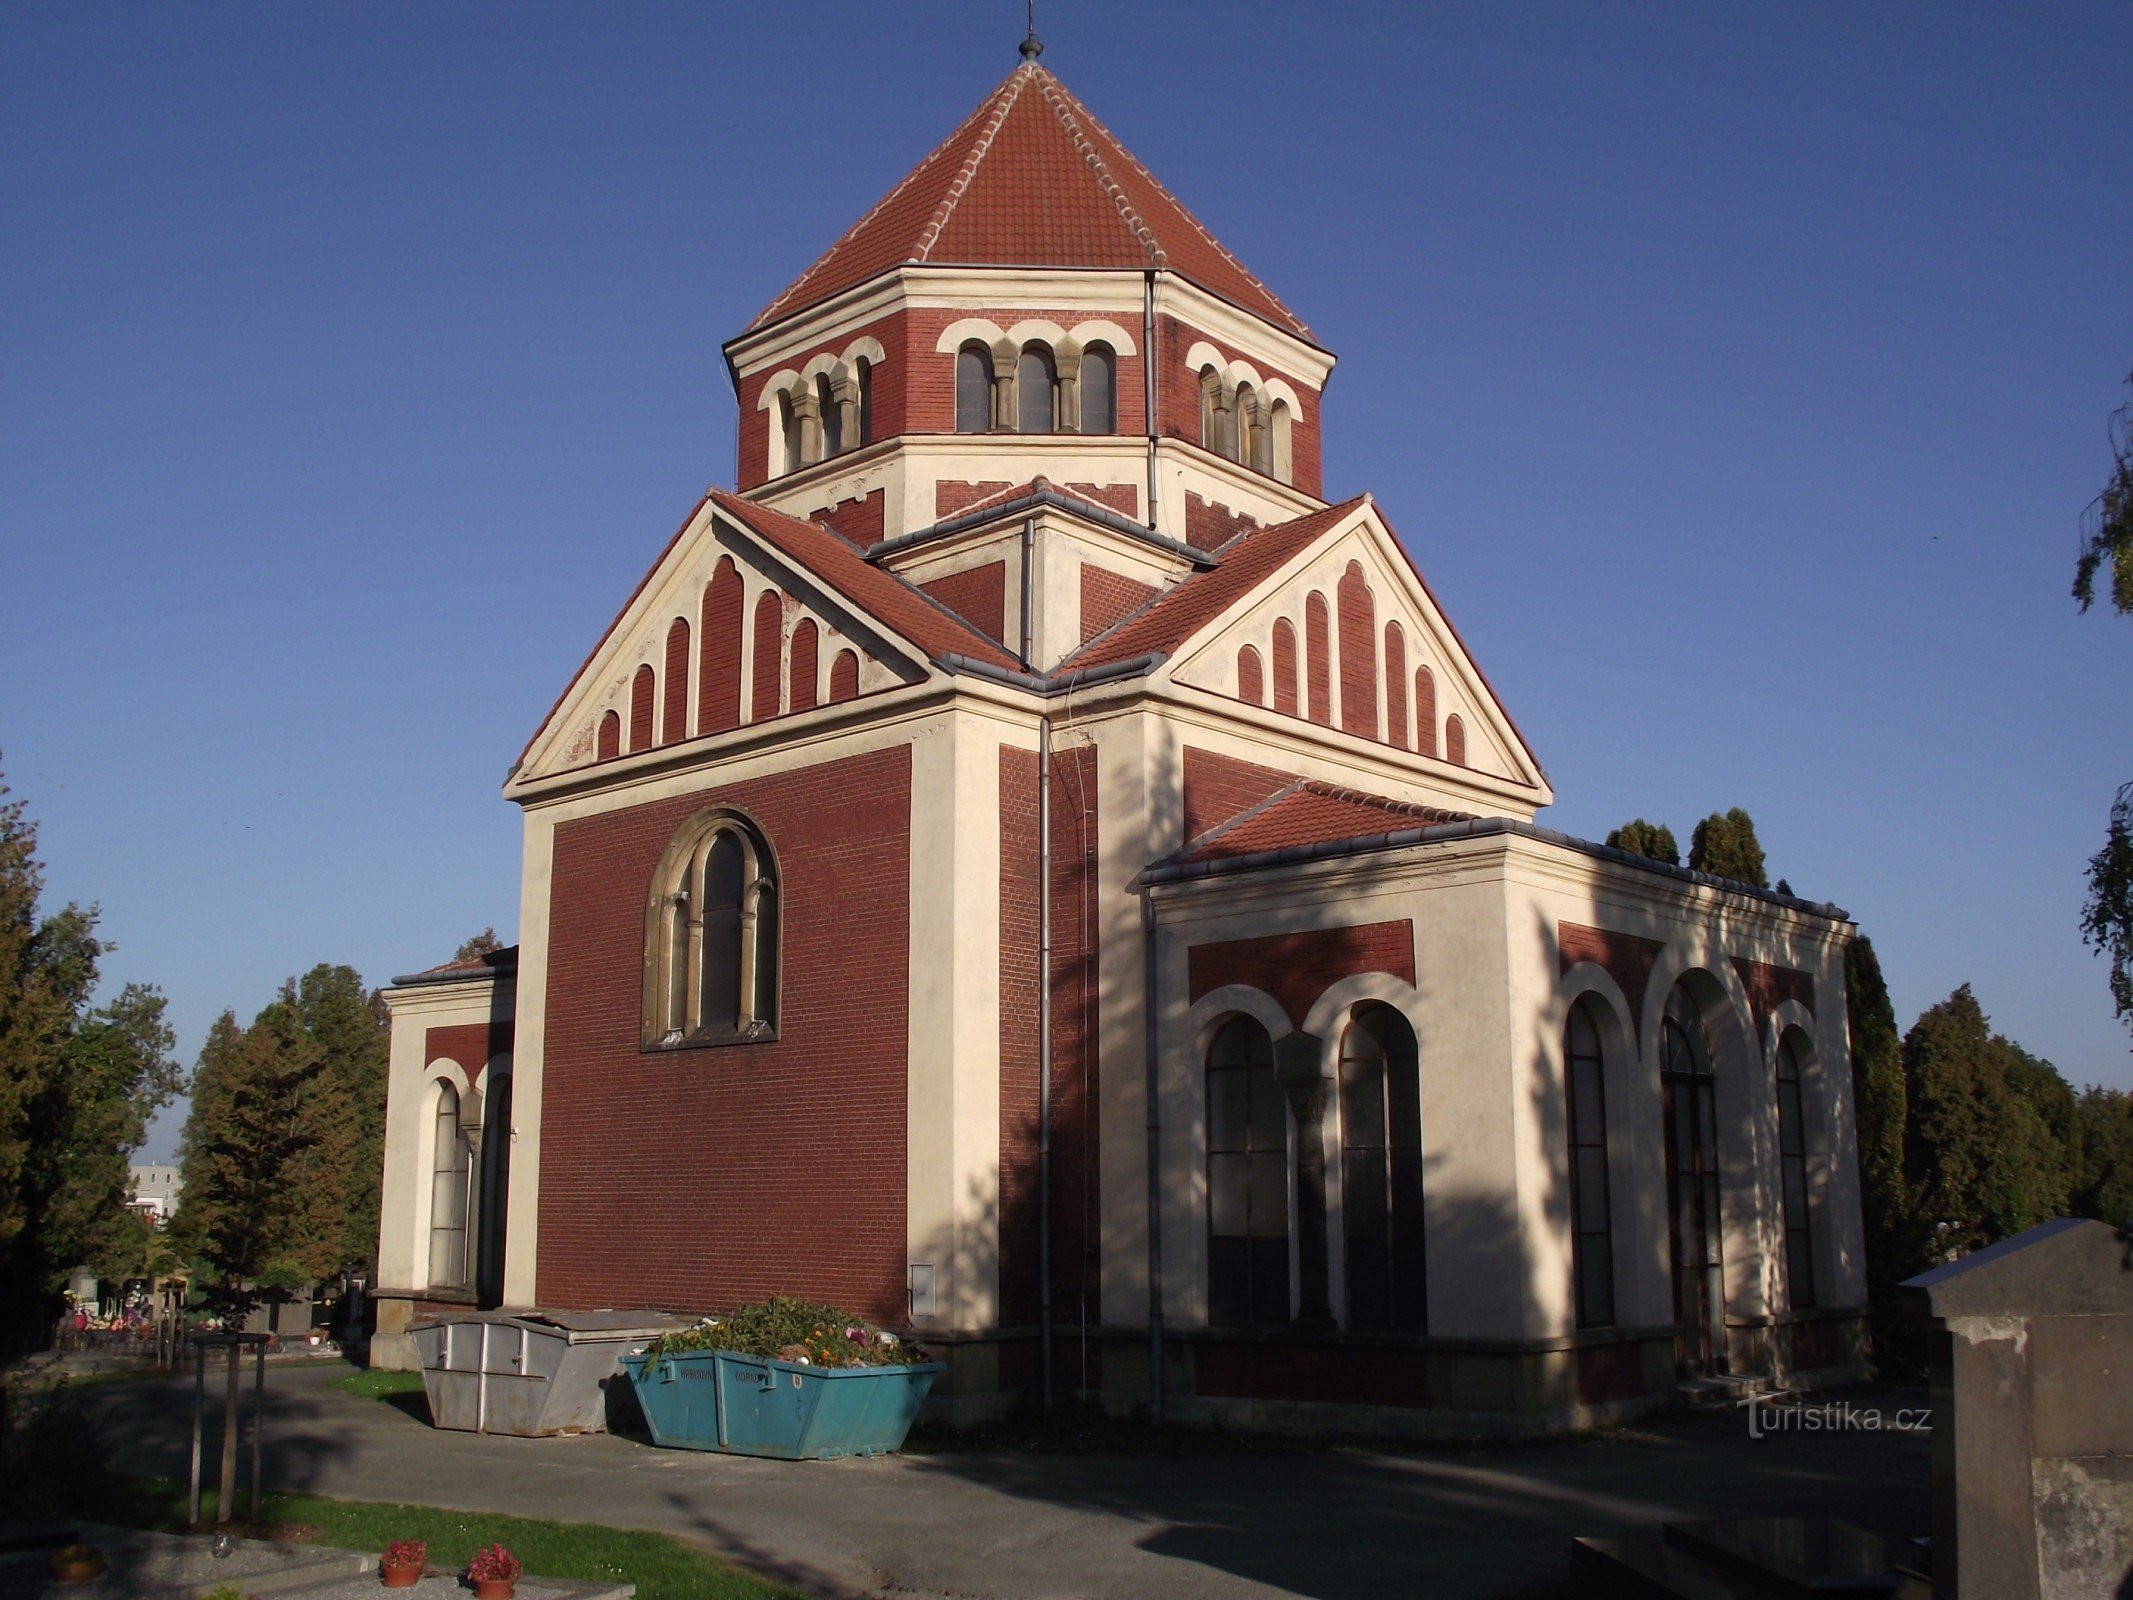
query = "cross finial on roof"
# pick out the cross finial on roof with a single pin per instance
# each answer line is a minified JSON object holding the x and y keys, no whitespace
{"x":1032,"y":46}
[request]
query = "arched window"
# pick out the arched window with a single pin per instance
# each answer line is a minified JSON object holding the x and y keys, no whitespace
{"x":610,"y":745}
{"x":494,"y":1210}
{"x":1396,"y":685}
{"x":1212,"y":412}
{"x":1249,"y":687}
{"x":1036,"y":383}
{"x":973,"y":388}
{"x":1318,"y":660}
{"x":1099,"y":390}
{"x":832,"y":415}
{"x":1285,"y":665}
{"x":1455,"y":740}
{"x":1381,"y":1172}
{"x":1792,"y":1160}
{"x":711,"y":936}
{"x":806,"y":664}
{"x":844,"y":676}
{"x":1426,"y":711}
{"x":451,"y":1164}
{"x":1283,"y":451}
{"x":1251,"y":430}
{"x":1592,"y":1244}
{"x":863,"y":376}
{"x":644,"y":694}
{"x":789,"y":428}
{"x":1247,"y":1179}
{"x":1690,"y":1097}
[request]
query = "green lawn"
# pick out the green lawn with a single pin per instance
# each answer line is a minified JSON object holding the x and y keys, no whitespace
{"x":365,"y":1384}
{"x":661,"y":1567}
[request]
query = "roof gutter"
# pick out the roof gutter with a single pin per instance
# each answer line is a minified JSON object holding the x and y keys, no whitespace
{"x":1478,"y":828}
{"x":1054,"y":682}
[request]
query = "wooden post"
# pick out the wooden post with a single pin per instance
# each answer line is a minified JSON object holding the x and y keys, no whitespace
{"x":199,"y":1426}
{"x":259,"y":1395}
{"x":228,"y":1495}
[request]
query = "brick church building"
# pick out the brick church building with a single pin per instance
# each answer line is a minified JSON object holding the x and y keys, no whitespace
{"x":1028,"y":868}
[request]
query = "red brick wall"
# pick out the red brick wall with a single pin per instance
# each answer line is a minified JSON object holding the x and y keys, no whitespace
{"x":844,"y":676}
{"x":1359,"y":653}
{"x":471,"y":1044}
{"x":769,"y":653}
{"x":1455,"y":740}
{"x":1622,"y":956}
{"x":1425,"y":711}
{"x":1285,"y":665}
{"x":1770,"y":986}
{"x":1216,"y":788}
{"x":674,"y":722}
{"x":978,"y":596}
{"x":643,"y":692}
{"x":1296,"y":968}
{"x":931,"y":405}
{"x":891,"y":394}
{"x":1107,"y":596}
{"x":1318,"y":664}
{"x":697,"y":1179}
{"x":1073,"y":1128}
{"x":950,"y":497}
{"x":860,"y":521}
{"x":1209,"y":526}
{"x":1396,"y":686}
{"x":806,"y":645}
{"x":718,"y":664}
{"x":1251,"y":676}
{"x":610,"y":736}
{"x":1124,"y":498}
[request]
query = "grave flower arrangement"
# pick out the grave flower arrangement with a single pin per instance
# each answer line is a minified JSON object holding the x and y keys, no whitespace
{"x":785,"y":1329}
{"x":493,"y":1572}
{"x":401,"y":1563}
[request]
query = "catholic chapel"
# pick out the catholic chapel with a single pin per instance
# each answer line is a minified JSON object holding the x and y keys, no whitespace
{"x":1029,"y":868}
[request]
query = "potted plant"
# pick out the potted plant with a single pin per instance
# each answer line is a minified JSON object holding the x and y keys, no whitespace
{"x":401,"y":1564}
{"x":494,"y":1572}
{"x":75,"y":1563}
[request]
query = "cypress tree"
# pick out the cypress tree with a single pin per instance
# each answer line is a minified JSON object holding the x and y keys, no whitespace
{"x":1652,"y":840}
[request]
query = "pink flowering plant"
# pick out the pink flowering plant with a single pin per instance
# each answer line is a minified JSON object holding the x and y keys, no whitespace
{"x":494,"y":1564}
{"x":405,"y":1553}
{"x":785,"y":1329}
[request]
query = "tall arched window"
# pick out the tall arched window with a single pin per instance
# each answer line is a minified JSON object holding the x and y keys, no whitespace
{"x":1425,"y":711}
{"x":1036,"y":384}
{"x":1212,"y":412}
{"x":1690,"y":1096}
{"x":973,"y":388}
{"x":1592,"y":1243}
{"x":1099,"y":390}
{"x":1455,"y":740}
{"x":1381,"y":1172}
{"x":789,"y":429}
{"x":495,"y":1186}
{"x":832,"y":415}
{"x":711,"y":936}
{"x":451,"y":1164}
{"x":1249,"y":687}
{"x":1792,"y":1161}
{"x":1251,"y":430}
{"x":1247,"y":1179}
{"x":863,"y":376}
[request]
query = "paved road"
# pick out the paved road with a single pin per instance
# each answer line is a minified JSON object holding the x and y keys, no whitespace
{"x":1491,"y":1523}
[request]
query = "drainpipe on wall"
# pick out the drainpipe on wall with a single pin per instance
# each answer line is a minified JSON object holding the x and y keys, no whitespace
{"x":1148,"y":383}
{"x":1155,"y":1161}
{"x":1044,"y":1057}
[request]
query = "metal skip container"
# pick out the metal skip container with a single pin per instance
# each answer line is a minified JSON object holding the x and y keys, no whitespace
{"x":529,"y":1373}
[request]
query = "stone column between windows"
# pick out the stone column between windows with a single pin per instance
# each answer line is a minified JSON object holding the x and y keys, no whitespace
{"x":1299,"y":1069}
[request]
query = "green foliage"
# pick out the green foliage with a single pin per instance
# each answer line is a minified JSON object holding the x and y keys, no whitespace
{"x":78,"y":1085}
{"x":785,"y":1329}
{"x":482,"y":944}
{"x":1725,"y":846}
{"x":1989,"y":1132}
{"x":2108,"y":542}
{"x":374,"y":1383}
{"x":284,"y":1149}
{"x":2107,"y":918}
{"x":1652,"y":840}
{"x":2105,"y":1187}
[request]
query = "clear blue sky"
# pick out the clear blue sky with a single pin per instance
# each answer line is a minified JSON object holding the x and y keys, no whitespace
{"x":1738,"y":376}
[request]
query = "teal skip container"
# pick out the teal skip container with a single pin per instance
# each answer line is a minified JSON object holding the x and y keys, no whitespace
{"x":749,"y":1406}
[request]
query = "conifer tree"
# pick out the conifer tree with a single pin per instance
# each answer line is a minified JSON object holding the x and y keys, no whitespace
{"x":1652,"y":840}
{"x":1724,"y":845}
{"x":2107,"y":547}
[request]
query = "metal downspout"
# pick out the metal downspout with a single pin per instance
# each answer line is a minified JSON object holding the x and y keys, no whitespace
{"x":1155,"y":1190}
{"x":1148,"y":386}
{"x":1044,"y":1056}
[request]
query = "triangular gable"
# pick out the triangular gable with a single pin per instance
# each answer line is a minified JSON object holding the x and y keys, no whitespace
{"x":1364,"y":578}
{"x":689,"y":656}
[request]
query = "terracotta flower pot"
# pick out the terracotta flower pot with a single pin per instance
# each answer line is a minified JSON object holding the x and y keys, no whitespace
{"x":83,"y":1569}
{"x":495,"y":1588}
{"x":403,"y":1575}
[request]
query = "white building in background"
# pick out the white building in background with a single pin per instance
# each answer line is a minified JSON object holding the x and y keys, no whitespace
{"x":154,"y":1190}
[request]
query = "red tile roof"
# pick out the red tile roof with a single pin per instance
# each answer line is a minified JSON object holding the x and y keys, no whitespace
{"x":1031,"y":179}
{"x":1310,"y":812}
{"x":1178,"y":613}
{"x":498,"y":961}
{"x":872,"y":591}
